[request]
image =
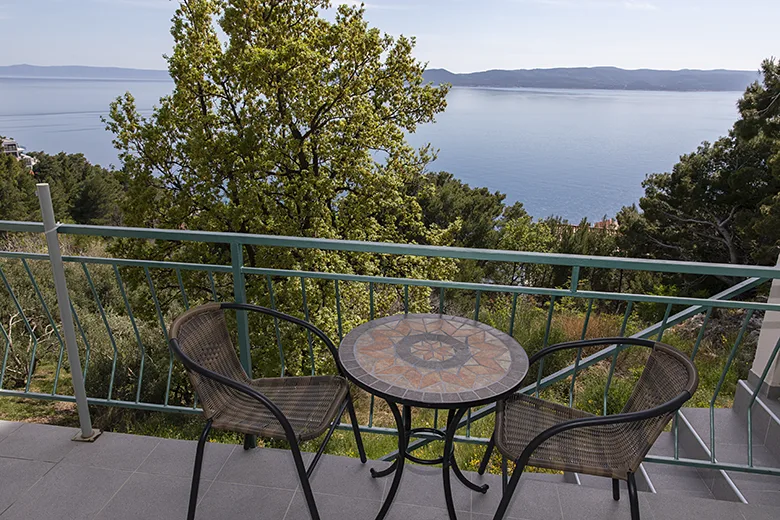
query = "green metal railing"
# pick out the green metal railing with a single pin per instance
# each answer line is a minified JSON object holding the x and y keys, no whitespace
{"x":237,"y":275}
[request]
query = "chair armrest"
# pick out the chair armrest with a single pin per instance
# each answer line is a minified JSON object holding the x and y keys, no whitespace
{"x":292,"y":319}
{"x":590,"y":343}
{"x":235,"y":385}
{"x":668,"y":407}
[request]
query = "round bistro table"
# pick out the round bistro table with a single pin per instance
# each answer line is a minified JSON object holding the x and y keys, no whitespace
{"x":431,"y":361}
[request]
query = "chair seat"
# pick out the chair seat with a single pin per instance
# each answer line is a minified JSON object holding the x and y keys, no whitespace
{"x":309,"y":403}
{"x":596,"y":450}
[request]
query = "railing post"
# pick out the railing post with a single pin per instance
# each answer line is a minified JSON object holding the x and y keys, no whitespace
{"x":767,"y":339}
{"x":239,"y":295}
{"x":63,"y":302}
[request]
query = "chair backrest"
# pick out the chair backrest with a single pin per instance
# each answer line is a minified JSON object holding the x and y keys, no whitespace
{"x":203,"y":336}
{"x":667,"y":373}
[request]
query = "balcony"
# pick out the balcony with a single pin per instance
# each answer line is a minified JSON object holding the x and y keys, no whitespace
{"x":45,"y":475}
{"x":718,"y":461}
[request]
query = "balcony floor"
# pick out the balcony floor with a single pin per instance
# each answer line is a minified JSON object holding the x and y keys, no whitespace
{"x":45,"y":475}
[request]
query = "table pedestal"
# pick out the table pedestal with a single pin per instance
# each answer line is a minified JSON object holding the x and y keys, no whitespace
{"x":447,"y":460}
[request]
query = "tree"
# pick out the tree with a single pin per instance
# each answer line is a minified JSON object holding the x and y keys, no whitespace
{"x":282,"y":122}
{"x":17,"y":190}
{"x":719,"y":203}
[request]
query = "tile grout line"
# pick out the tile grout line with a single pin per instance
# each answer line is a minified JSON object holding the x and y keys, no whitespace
{"x":126,"y":480}
{"x":289,"y":505}
{"x":560,"y":504}
{"x":53,"y":465}
{"x":211,"y":482}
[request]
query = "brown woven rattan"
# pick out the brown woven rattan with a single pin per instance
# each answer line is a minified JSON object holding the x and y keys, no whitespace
{"x":309,"y":403}
{"x":609,"y":450}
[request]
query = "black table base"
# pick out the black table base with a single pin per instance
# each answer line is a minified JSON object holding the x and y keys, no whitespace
{"x":447,"y":460}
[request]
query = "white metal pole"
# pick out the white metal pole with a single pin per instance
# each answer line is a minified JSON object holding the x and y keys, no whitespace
{"x":63,"y":302}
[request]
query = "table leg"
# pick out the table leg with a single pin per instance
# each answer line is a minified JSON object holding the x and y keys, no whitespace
{"x":398,"y":464}
{"x":458,"y":473}
{"x":449,"y":454}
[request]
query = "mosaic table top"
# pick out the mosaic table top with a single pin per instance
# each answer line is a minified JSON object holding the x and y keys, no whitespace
{"x":433,"y":360}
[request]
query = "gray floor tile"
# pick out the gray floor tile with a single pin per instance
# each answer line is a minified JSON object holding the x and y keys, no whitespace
{"x":7,"y":428}
{"x":146,"y":496}
{"x":409,"y":512}
{"x":333,"y":507}
{"x":348,"y":477}
{"x":730,"y":428}
{"x":676,"y":478}
{"x":666,"y":506}
{"x":39,"y":442}
{"x":68,"y":492}
{"x":177,"y":458}
{"x":772,"y":440}
{"x":761,"y":497}
{"x":423,"y":486}
{"x":751,"y":481}
{"x":534,"y":499}
{"x":751,"y":512}
{"x":265,"y":467}
{"x":737,"y":454}
{"x":578,"y":502}
{"x":237,"y":501}
{"x":113,"y":451}
{"x":17,"y":476}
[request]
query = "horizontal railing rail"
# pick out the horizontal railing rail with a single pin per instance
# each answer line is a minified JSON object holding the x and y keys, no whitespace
{"x":236,"y":273}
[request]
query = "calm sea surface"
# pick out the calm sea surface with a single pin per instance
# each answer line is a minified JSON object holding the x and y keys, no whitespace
{"x":572,"y":153}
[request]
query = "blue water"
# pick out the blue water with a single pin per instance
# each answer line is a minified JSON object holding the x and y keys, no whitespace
{"x":572,"y":153}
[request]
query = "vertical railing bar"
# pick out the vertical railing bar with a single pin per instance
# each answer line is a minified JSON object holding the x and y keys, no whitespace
{"x":626,"y":315}
{"x":26,"y":324}
{"x":665,"y":320}
{"x":700,"y":337}
{"x":183,"y":291}
{"x":338,"y":311}
{"x":769,"y":363}
{"x":306,"y":317}
{"x":726,"y":368}
{"x":160,"y":317}
{"x":476,"y":306}
{"x":579,"y":352}
{"x":51,"y":322}
{"x":213,"y":286}
{"x":575,"y":279}
{"x":441,"y":302}
{"x":468,"y":423}
{"x":544,"y":342}
{"x":5,"y":355}
{"x":406,"y":299}
{"x":102,"y":312}
{"x":371,"y":317}
{"x":278,"y":333}
{"x":512,"y":315}
{"x":133,"y":323}
{"x":87,"y":346}
{"x":436,"y":418}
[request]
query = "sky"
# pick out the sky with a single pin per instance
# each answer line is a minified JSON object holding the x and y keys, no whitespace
{"x":459,"y":35}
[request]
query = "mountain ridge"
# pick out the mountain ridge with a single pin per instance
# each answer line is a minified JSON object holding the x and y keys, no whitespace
{"x":596,"y":78}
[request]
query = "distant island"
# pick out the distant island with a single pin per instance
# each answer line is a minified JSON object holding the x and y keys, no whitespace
{"x":606,"y":78}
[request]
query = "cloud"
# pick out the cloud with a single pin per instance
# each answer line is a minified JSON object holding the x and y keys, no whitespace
{"x":638,"y":4}
{"x":622,"y":4}
{"x":166,"y":5}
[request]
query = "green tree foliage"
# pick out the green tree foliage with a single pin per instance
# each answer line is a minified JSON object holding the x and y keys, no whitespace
{"x":284,"y":122}
{"x":17,"y":190}
{"x":82,"y":192}
{"x":719,"y":203}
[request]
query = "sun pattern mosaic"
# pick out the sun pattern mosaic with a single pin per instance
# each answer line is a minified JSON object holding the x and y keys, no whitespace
{"x":430,"y":358}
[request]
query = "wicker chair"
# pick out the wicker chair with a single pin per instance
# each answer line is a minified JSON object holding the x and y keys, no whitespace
{"x":534,"y":432}
{"x":295,"y":409}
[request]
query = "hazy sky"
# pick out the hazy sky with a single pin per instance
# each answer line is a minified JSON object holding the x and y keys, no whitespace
{"x":460,"y":35}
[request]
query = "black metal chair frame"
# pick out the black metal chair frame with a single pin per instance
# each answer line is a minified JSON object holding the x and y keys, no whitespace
{"x":670,"y":406}
{"x":303,"y":472}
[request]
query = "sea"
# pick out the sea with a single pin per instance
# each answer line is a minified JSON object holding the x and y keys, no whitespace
{"x":571,"y":153}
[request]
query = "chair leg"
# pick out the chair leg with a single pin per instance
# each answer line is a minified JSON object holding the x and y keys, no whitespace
{"x":615,"y":489}
{"x":503,"y":474}
{"x":196,"y":471}
{"x":488,"y":452}
{"x":304,"y":479}
{"x":356,"y":429}
{"x":633,"y":497}
{"x":508,"y":491}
